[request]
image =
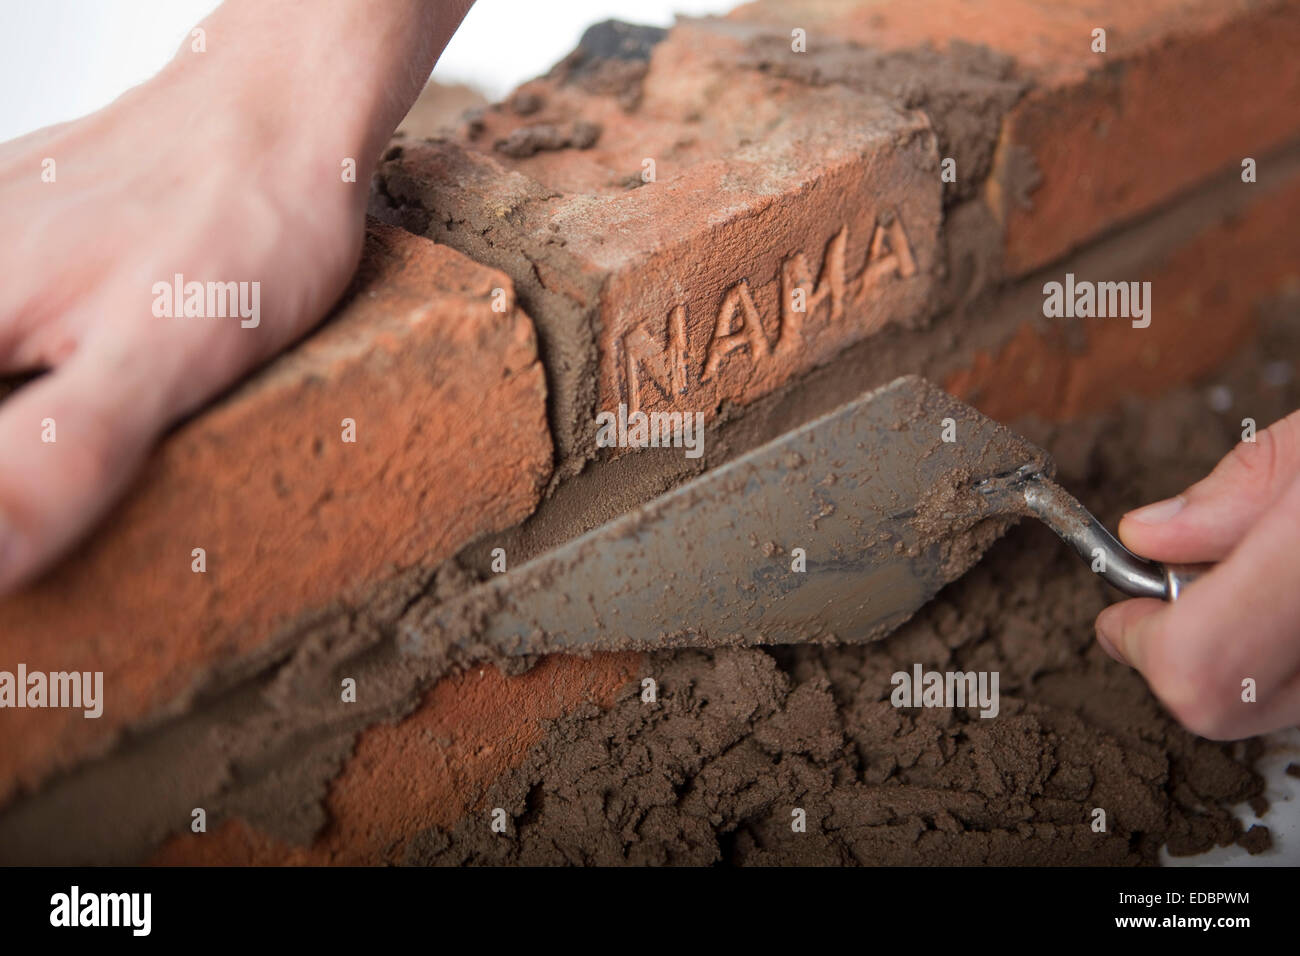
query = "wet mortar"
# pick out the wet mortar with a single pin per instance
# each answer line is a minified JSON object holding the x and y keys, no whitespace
{"x":740,"y":737}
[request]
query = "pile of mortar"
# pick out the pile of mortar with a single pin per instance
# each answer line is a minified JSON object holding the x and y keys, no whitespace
{"x":742,"y":738}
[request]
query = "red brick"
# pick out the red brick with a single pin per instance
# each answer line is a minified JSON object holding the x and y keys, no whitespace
{"x":1204,"y":299}
{"x":429,"y":770}
{"x":1187,"y":87}
{"x":452,"y":442}
{"x":641,"y":290}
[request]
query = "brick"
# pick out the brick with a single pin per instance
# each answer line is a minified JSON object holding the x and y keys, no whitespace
{"x":1187,"y":88}
{"x":430,"y":769}
{"x":765,"y":175}
{"x":676,"y":294}
{"x":448,"y":397}
{"x":1205,"y":291}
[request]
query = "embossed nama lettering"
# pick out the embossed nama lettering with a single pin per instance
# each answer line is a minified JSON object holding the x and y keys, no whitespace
{"x":667,"y":361}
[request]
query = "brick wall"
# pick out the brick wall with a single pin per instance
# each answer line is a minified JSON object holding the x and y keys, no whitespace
{"x":772,"y":171}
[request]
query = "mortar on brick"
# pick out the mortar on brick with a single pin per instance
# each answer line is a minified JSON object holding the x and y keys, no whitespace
{"x":762,"y":181}
{"x":949,"y":343}
{"x":1185,"y":89}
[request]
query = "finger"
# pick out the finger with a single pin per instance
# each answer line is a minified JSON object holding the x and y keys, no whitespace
{"x":72,"y":439}
{"x":1225,"y":658}
{"x":1123,"y":629}
{"x":36,"y":309}
{"x":1206,"y":521}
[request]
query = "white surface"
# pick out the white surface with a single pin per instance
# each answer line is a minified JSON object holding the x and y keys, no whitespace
{"x":502,"y":43}
{"x":1282,"y":818}
{"x":60,"y":59}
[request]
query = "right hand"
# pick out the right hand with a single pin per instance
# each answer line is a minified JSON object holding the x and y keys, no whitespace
{"x":1241,"y":620}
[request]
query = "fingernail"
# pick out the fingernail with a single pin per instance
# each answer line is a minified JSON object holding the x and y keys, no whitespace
{"x":1159,"y":512}
{"x":1107,"y":643}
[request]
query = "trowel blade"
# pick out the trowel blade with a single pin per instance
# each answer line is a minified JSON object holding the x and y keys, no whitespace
{"x":877,"y":495}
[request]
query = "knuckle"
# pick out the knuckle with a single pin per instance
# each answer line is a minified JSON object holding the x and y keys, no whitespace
{"x":1273,"y":456}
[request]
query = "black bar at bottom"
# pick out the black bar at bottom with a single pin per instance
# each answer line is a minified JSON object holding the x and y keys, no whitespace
{"x":215,"y":906}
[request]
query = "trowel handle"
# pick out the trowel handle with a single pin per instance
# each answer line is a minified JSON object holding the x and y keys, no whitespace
{"x":1178,"y":576}
{"x":1136,"y":577}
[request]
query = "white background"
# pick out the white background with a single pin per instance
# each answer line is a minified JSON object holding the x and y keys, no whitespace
{"x":60,"y":59}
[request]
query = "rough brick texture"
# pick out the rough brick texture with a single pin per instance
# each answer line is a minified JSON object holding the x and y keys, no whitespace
{"x":678,"y":293}
{"x":451,"y":442}
{"x":1206,"y":294}
{"x":1185,"y":88}
{"x":429,"y":770}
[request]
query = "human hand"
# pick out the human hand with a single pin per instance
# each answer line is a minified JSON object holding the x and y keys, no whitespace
{"x":1242,"y":619}
{"x":227,"y":167}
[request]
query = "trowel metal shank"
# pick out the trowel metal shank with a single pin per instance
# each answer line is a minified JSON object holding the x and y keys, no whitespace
{"x":713,"y":562}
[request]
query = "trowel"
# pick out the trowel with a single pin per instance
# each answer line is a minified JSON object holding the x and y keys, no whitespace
{"x":837,"y":531}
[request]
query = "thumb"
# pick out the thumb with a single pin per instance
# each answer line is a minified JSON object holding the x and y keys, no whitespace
{"x":1124,"y":630}
{"x":1233,"y":629}
{"x":1207,"y":520}
{"x":72,"y":439}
